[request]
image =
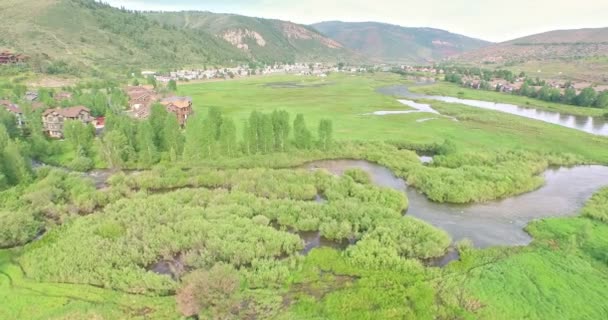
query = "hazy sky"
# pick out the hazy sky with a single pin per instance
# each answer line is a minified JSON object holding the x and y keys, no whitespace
{"x":486,"y":19}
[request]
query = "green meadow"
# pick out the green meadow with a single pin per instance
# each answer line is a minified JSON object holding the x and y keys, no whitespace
{"x":229,"y":225}
{"x":346,"y":99}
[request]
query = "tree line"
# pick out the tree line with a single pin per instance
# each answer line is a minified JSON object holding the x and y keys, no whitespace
{"x":127,"y":142}
{"x":588,"y":97}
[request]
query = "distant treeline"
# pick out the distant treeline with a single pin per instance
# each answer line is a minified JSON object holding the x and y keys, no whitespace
{"x":588,"y":97}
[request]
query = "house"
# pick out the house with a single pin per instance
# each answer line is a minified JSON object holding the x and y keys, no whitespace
{"x":31,"y":96}
{"x":14,"y":110}
{"x":61,"y":96}
{"x":7,"y":57}
{"x":180,"y":106}
{"x":53,"y":119}
{"x":141,"y":99}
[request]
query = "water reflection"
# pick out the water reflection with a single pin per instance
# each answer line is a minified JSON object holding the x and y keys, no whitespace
{"x":593,"y":125}
{"x":497,"y":222}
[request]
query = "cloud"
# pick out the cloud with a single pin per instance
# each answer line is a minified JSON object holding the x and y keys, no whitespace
{"x":490,"y":20}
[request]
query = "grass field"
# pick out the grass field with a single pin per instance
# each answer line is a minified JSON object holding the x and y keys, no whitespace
{"x":453,"y":90}
{"x":561,"y":275}
{"x":22,"y":298}
{"x":345,"y":99}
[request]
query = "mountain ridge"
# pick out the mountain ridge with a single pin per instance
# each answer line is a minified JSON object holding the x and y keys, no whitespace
{"x":267,"y":40}
{"x":397,"y":44}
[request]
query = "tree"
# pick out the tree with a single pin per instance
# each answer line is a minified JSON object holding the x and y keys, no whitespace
{"x":586,"y":98}
{"x":569,"y":96}
{"x":152,"y":81}
{"x":158,"y":116}
{"x":325,"y":134}
{"x":602,"y":100}
{"x":228,"y":144}
{"x":79,"y":136}
{"x":147,"y":153}
{"x":172,"y":138}
{"x":116,"y":149}
{"x":213,"y":289}
{"x":100,"y":104}
{"x":172,"y":85}
{"x":281,"y":129}
{"x":252,"y":132}
{"x":135,"y":82}
{"x":215,"y":121}
{"x":193,"y":142}
{"x":209,"y":142}
{"x":302,"y":136}
{"x":265,"y":134}
{"x":15,"y":166}
{"x":10,"y":122}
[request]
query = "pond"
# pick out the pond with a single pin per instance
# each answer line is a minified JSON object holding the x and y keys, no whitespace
{"x":593,"y":125}
{"x":493,"y":223}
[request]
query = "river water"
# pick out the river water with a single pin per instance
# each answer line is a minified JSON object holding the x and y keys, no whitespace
{"x":593,"y":125}
{"x":493,"y":223}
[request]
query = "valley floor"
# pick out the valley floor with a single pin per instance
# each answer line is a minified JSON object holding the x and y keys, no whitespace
{"x":225,"y":232}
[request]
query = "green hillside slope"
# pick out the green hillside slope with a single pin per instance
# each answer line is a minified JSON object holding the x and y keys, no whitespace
{"x":391,"y":43}
{"x":262,"y":39}
{"x":87,"y":35}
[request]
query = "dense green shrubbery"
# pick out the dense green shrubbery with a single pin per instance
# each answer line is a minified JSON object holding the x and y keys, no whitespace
{"x":204,"y":227}
{"x":17,"y":228}
{"x":597,"y":207}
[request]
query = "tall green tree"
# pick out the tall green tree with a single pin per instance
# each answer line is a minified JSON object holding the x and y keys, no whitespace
{"x":281,"y":129}
{"x":215,"y":121}
{"x":586,"y":98}
{"x":193,"y":144}
{"x":209,"y":139}
{"x":158,"y":116}
{"x":325,"y":134}
{"x":172,"y":85}
{"x":302,"y":136}
{"x":172,"y":138}
{"x":79,"y":135}
{"x":266,"y":142}
{"x":252,"y":134}
{"x":116,"y":149}
{"x":569,"y":96}
{"x":602,"y":100}
{"x":152,"y":81}
{"x":228,"y":143}
{"x":147,"y":153}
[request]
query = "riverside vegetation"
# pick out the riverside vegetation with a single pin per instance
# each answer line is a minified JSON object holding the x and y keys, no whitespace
{"x":206,"y":220}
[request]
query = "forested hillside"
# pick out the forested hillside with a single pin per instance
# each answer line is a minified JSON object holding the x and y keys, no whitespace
{"x":262,"y":39}
{"x":76,"y":36}
{"x":396,"y":44}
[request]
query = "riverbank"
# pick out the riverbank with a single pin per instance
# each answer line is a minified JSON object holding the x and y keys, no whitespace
{"x":453,"y":90}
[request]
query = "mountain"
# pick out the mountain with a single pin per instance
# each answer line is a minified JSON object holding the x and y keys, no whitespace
{"x":396,"y":44}
{"x":260,"y":39}
{"x":87,"y":35}
{"x":553,"y":45}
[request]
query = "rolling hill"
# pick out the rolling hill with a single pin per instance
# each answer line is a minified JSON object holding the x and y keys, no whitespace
{"x":579,"y":55}
{"x":264,"y":40}
{"x":396,"y":44}
{"x":86,"y":35}
{"x":553,"y":45}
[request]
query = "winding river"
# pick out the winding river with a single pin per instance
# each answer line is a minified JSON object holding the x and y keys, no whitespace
{"x":593,"y":125}
{"x":493,"y":223}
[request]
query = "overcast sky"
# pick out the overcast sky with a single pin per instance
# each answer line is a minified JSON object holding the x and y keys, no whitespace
{"x":486,"y":19}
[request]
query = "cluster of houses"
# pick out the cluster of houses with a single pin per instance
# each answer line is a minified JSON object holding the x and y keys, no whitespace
{"x":141,"y":99}
{"x":7,"y":57}
{"x":510,"y":87}
{"x":314,"y":69}
{"x":415,"y":69}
